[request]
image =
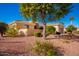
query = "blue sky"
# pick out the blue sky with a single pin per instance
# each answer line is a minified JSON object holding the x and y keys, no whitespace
{"x":10,"y":12}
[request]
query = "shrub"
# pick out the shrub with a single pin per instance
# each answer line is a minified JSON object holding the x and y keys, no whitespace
{"x":41,"y":28}
{"x":38,"y":34}
{"x":45,"y":49}
{"x":50,"y":30}
{"x":71,"y":28}
{"x":3,"y":28}
{"x":11,"y":32}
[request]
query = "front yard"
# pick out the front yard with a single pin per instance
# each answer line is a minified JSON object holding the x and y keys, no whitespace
{"x":23,"y":46}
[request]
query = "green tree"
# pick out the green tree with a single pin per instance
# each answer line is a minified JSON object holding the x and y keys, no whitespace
{"x":71,"y":28}
{"x":50,"y":30}
{"x":3,"y":28}
{"x":44,"y":12}
{"x":11,"y":32}
{"x":71,"y":19}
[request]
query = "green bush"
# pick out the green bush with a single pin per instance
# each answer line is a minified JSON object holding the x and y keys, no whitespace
{"x":41,"y":28}
{"x":50,"y":30}
{"x":71,"y":28}
{"x":3,"y":28}
{"x":11,"y":32}
{"x":38,"y":34}
{"x":44,"y":49}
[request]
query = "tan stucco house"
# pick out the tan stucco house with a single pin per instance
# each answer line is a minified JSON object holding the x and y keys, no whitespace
{"x":28,"y":28}
{"x":25,"y":28}
{"x":59,"y":27}
{"x":77,"y":29}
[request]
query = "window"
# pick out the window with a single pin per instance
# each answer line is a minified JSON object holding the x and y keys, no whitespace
{"x":35,"y":27}
{"x":26,"y":26}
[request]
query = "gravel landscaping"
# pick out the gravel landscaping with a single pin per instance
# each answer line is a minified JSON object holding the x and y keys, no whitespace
{"x":22,"y":46}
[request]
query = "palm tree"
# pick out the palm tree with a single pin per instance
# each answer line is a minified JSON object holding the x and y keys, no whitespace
{"x":44,"y":12}
{"x":71,"y":19}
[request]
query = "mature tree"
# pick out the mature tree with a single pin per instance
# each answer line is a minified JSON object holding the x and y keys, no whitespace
{"x":50,"y":30}
{"x":3,"y":28}
{"x":71,"y":19}
{"x":44,"y":12}
{"x":71,"y":28}
{"x":11,"y":32}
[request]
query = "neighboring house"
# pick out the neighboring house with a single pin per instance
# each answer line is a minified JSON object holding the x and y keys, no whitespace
{"x":28,"y":28}
{"x":25,"y":28}
{"x":65,"y":30}
{"x":77,"y":29}
{"x":59,"y":27}
{"x":23,"y":25}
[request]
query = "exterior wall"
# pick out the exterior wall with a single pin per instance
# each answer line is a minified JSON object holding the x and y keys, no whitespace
{"x":21,"y":24}
{"x":77,"y":29}
{"x":29,"y":31}
{"x":26,"y":32}
{"x":23,"y":32}
{"x":59,"y":27}
{"x":22,"y":27}
{"x":12,"y":25}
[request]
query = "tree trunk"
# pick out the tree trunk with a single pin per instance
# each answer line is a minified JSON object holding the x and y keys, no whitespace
{"x":44,"y":31}
{"x":71,"y":22}
{"x":1,"y":34}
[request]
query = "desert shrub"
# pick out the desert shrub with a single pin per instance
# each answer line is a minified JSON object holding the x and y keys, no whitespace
{"x":50,"y":30}
{"x":41,"y":28}
{"x":11,"y":32}
{"x":38,"y":34}
{"x":71,"y":31}
{"x":44,"y":49}
{"x":71,"y":28}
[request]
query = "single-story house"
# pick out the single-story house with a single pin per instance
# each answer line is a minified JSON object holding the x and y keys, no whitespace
{"x":28,"y":28}
{"x":59,"y":27}
{"x":25,"y":28}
